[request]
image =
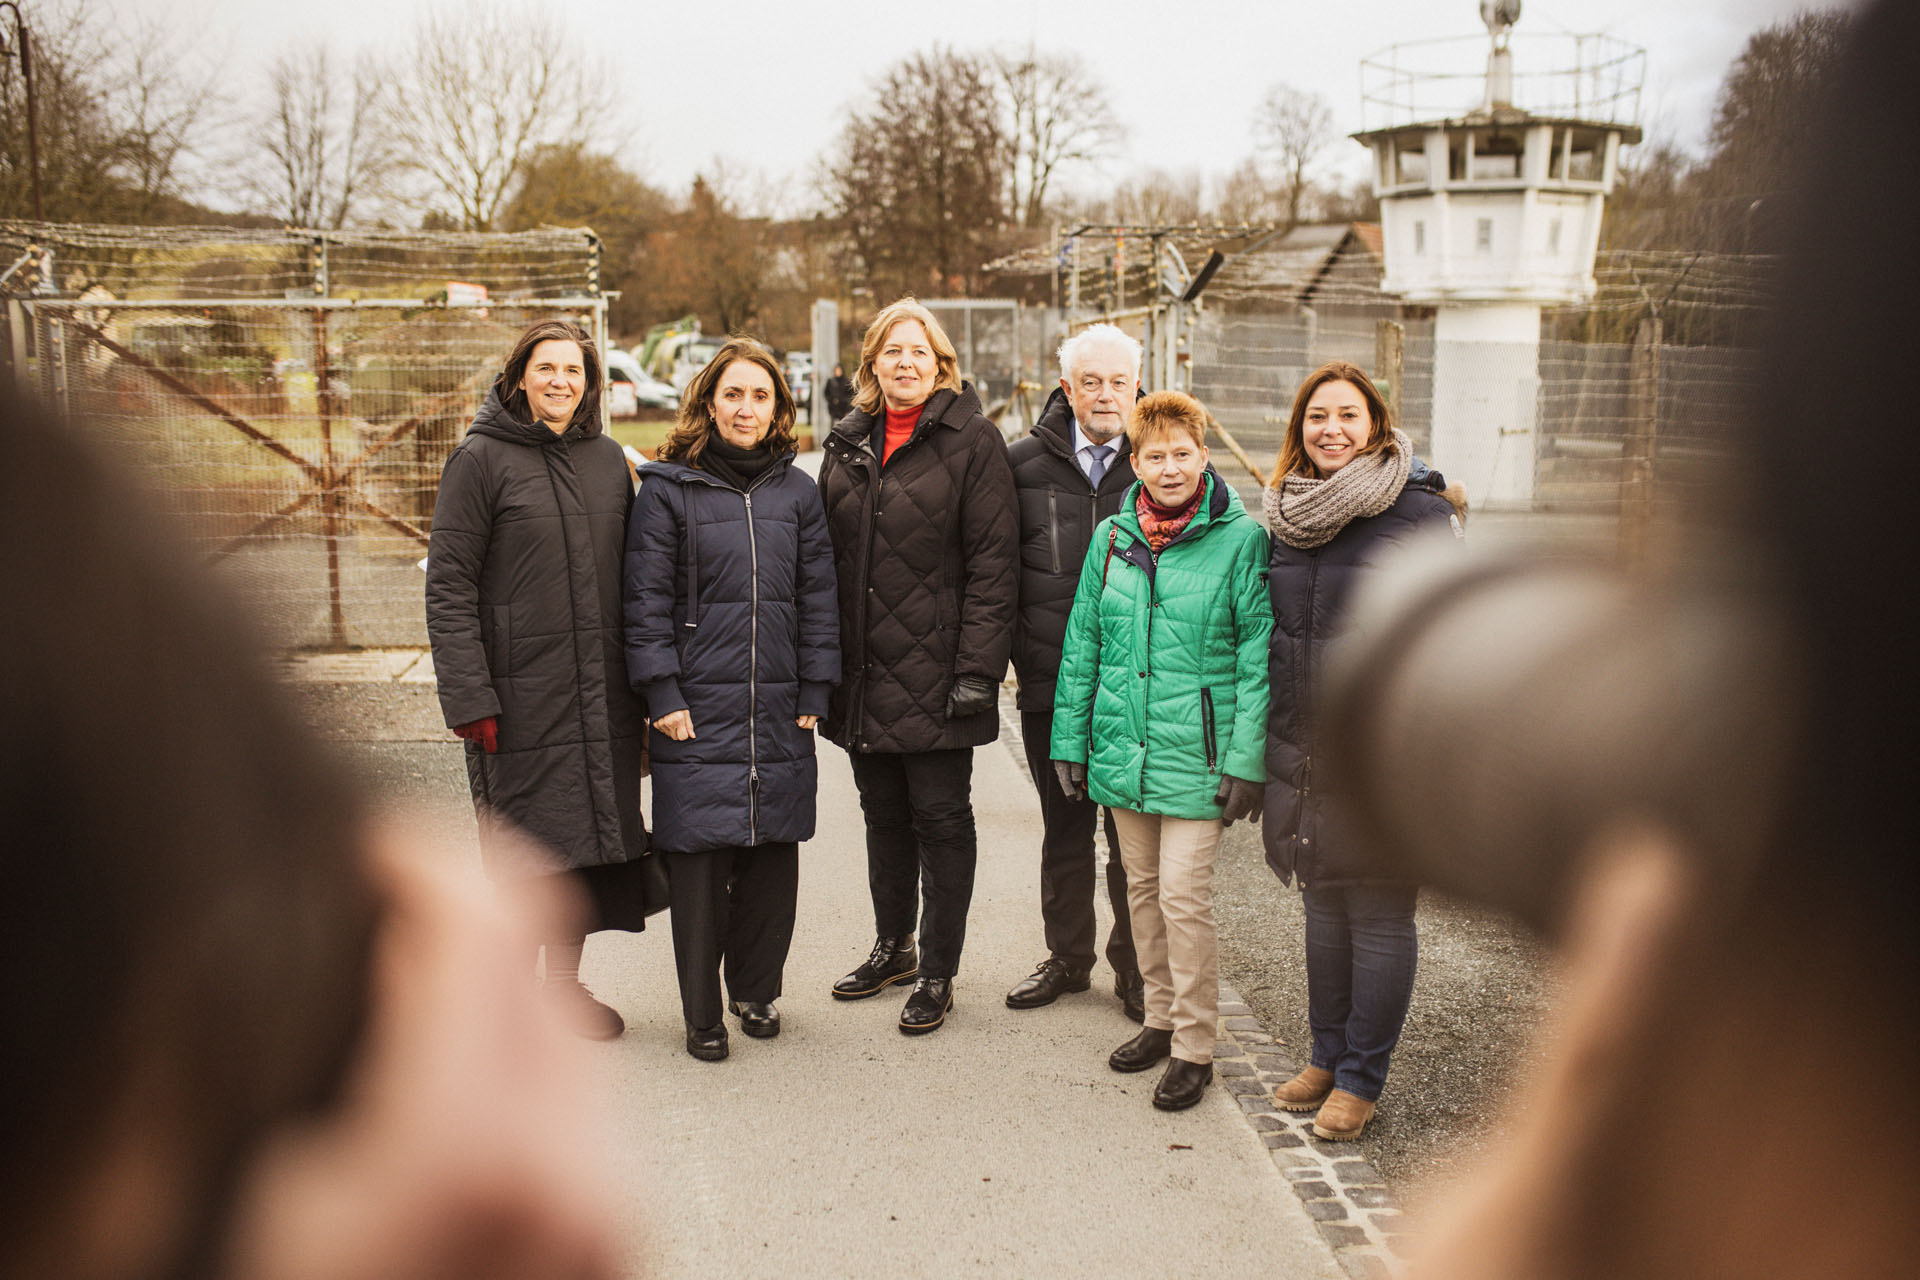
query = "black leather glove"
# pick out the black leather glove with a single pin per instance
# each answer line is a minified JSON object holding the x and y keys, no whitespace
{"x":1238,"y":798}
{"x":970,"y":696}
{"x":1072,"y":776}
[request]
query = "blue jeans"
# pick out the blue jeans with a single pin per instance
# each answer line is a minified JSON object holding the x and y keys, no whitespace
{"x":1361,"y":951}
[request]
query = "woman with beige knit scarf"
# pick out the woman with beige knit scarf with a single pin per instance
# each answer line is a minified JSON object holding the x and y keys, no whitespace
{"x":1346,"y":491}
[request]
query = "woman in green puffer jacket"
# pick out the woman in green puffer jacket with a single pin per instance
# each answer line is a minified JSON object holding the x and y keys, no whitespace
{"x":1160,"y":714}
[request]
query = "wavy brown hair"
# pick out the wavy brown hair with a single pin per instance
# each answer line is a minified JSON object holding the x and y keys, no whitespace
{"x":688,"y":439}
{"x":1292,"y":459}
{"x":946,"y":361}
{"x":532,"y":336}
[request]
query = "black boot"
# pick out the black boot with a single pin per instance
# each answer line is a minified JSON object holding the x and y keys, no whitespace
{"x":1132,"y":990}
{"x":761,"y":1021}
{"x":1182,"y":1084}
{"x":709,"y":1044}
{"x":927,"y":1006}
{"x":1053,"y":979}
{"x":1143,"y":1051}
{"x":893,"y":960}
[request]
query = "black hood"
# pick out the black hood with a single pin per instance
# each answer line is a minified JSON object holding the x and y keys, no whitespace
{"x":500,"y":422}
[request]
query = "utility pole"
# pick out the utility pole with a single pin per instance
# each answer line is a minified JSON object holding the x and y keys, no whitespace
{"x":22,"y":42}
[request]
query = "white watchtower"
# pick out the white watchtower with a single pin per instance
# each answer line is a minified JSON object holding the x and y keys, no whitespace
{"x":1491,"y":194}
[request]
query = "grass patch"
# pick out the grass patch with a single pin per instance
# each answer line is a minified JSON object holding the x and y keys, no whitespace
{"x":641,"y":433}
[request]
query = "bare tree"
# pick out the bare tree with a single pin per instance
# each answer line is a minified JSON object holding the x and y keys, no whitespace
{"x":323,"y":136}
{"x":1765,"y":109}
{"x":1057,"y":115}
{"x":1293,"y":127}
{"x":122,"y":111}
{"x":1246,"y":198}
{"x":479,"y":91}
{"x":918,"y":179}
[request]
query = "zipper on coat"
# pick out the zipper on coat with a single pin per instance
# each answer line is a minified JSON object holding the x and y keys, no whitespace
{"x":1302,"y":679}
{"x":1146,"y":673}
{"x":753,"y":668}
{"x":1206,"y":727}
{"x":1053,"y":526}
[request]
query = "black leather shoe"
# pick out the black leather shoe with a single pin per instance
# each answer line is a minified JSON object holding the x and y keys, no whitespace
{"x":927,"y":1005}
{"x":1132,"y":990}
{"x":1143,"y":1051}
{"x":709,"y":1044}
{"x":1182,"y":1085}
{"x":761,"y":1021}
{"x":893,"y":960}
{"x":1053,"y":979}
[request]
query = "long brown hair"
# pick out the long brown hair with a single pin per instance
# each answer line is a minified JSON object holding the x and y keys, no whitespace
{"x":688,"y":439}
{"x":1292,"y":459}
{"x":946,"y":361}
{"x":515,"y":398}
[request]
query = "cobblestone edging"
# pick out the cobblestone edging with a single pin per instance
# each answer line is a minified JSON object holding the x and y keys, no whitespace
{"x":1349,"y":1202}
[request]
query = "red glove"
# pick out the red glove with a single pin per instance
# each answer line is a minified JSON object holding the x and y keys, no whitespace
{"x":485,"y":732}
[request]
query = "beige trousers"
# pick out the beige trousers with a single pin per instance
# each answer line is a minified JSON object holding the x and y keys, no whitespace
{"x":1169,"y":864}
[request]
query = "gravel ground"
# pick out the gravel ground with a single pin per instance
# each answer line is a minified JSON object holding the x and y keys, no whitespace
{"x":1484,"y":983}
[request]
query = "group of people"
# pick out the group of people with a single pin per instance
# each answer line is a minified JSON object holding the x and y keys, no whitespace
{"x":701,"y":626}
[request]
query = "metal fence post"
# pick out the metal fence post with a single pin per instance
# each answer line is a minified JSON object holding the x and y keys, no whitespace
{"x":1643,"y":423}
{"x":329,"y":498}
{"x":1390,"y":362}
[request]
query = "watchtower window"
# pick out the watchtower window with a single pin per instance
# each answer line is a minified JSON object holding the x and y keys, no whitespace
{"x":1412,"y":164}
{"x":1496,"y":157}
{"x":1584,"y":157}
{"x":1553,"y":236}
{"x":1419,"y":236}
{"x":1483,"y":235}
{"x":1456,"y":159}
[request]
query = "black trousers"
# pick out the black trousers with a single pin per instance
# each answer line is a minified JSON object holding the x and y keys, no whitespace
{"x":920,"y":844}
{"x":733,"y":905}
{"x":1067,"y":864}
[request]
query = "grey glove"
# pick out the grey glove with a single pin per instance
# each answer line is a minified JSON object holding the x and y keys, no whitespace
{"x":1072,"y":776}
{"x":970,"y":696}
{"x":1238,"y":798}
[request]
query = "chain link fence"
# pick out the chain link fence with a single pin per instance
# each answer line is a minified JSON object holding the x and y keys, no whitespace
{"x":289,"y":398}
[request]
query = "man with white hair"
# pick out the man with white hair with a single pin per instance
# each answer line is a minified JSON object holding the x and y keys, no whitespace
{"x":1071,"y":472}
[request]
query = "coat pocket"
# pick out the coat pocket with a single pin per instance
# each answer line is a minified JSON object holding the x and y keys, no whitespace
{"x":1207,"y":734}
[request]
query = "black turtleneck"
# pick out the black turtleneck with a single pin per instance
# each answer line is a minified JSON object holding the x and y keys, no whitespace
{"x":738,"y":467}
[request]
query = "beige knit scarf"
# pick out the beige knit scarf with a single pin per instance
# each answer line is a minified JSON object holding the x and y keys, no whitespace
{"x":1307,"y":512}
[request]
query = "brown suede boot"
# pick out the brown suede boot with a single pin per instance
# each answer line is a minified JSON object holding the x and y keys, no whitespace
{"x":584,"y":1014}
{"x":1343,"y":1117}
{"x":1306,"y":1091}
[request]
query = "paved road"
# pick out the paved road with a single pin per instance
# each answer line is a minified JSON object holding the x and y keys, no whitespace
{"x":999,"y":1145}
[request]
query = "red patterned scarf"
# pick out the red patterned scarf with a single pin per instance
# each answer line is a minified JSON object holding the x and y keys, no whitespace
{"x":1162,"y":525}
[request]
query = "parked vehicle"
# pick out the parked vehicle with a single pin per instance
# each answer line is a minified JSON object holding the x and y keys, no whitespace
{"x":800,"y":378}
{"x":648,"y":392}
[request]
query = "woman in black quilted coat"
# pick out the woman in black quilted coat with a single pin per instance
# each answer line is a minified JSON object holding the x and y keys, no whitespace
{"x":733,"y":638}
{"x":920,"y":504}
{"x":523,"y":611}
{"x":1346,"y":491}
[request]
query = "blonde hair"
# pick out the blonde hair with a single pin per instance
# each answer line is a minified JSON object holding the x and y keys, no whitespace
{"x":1164,"y":413}
{"x":946,"y":360}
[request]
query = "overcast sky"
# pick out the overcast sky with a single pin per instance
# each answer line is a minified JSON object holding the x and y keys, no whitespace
{"x":767,"y":91}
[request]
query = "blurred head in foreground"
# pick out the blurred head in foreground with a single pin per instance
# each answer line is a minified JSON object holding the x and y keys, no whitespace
{"x":1732,"y":1088}
{"x":207,"y":943}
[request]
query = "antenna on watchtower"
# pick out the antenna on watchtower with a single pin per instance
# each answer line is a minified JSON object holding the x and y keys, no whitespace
{"x":1499,"y":15}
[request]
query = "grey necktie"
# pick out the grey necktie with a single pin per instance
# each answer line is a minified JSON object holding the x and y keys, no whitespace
{"x":1097,"y":462}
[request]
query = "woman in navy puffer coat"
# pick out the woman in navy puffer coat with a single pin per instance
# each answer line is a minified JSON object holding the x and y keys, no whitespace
{"x":1346,"y":490}
{"x":732,"y":635}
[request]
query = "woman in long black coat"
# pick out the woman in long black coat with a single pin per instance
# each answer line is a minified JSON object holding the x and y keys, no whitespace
{"x":732,"y":637}
{"x":1346,"y":491}
{"x":921,"y":507}
{"x":523,"y":611}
